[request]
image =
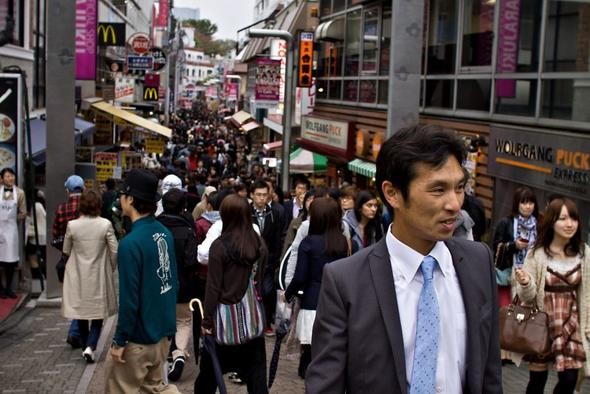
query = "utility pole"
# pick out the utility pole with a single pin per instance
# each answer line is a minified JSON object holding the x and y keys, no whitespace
{"x":60,"y":117}
{"x":403,"y":98}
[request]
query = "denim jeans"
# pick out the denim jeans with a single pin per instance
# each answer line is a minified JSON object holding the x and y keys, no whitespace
{"x":74,"y":330}
{"x":89,"y":336}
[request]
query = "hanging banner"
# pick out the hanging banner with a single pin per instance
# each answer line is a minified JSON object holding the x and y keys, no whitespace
{"x":86,"y":20}
{"x":124,"y":89}
{"x":268,"y":82}
{"x":231,"y":91}
{"x":105,"y":165}
{"x":10,"y":122}
{"x":278,"y":51}
{"x":508,"y":40}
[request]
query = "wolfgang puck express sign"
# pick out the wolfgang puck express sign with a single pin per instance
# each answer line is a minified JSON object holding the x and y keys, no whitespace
{"x":548,"y":160}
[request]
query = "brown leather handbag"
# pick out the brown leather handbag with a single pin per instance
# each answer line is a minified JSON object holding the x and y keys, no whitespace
{"x":524,"y":329}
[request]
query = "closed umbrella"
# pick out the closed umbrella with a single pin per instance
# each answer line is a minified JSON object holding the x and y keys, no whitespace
{"x":209,"y":346}
{"x":281,"y":331}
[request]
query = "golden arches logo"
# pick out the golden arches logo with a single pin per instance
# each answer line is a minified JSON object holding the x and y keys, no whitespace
{"x":107,"y":30}
{"x":150,"y":94}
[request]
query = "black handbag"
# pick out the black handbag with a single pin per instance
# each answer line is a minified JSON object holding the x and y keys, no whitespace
{"x":60,"y":267}
{"x":504,"y":258}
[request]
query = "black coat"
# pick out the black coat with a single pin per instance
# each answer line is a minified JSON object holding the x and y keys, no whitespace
{"x":504,"y":232}
{"x":182,"y":228}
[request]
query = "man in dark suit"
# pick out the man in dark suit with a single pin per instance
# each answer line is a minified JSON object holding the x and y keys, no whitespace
{"x":294,"y":206}
{"x":417,"y":312}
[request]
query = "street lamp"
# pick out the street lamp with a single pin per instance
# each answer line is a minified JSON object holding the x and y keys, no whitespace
{"x":285,"y":35}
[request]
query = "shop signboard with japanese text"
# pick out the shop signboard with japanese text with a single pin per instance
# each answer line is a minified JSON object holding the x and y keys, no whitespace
{"x":145,"y":63}
{"x":268,"y":82}
{"x":86,"y":21}
{"x":558,"y":162}
{"x":105,"y":165}
{"x":10,"y":123}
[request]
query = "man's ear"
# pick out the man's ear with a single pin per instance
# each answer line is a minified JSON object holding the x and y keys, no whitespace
{"x":392,"y":195}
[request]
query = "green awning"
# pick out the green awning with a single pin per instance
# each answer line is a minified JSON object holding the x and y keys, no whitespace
{"x":304,"y":161}
{"x":365,"y":168}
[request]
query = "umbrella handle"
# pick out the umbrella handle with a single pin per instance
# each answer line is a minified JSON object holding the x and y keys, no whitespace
{"x":190,"y":305}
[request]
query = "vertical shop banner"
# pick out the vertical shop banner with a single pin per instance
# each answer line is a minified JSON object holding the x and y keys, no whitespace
{"x":268,"y":82}
{"x":163,"y":13}
{"x":86,"y":21}
{"x":231,"y":91}
{"x":278,"y":51}
{"x":508,"y":39}
{"x":10,"y":122}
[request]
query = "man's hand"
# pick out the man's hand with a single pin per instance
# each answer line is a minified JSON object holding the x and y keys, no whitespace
{"x":206,"y":331}
{"x":117,"y":353}
{"x":522,"y":276}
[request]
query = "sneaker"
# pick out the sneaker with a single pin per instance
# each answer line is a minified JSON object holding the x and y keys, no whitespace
{"x":175,"y":371}
{"x":88,"y":355}
{"x":269,"y":332}
{"x":235,"y":378}
{"x":9,"y":293}
{"x":74,"y":342}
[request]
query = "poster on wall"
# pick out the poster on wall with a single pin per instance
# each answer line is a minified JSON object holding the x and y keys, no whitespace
{"x":10,"y":123}
{"x":86,"y":37}
{"x":105,"y":165}
{"x":268,"y":82}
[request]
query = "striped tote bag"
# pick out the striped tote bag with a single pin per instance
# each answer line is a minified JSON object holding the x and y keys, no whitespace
{"x":236,"y":324}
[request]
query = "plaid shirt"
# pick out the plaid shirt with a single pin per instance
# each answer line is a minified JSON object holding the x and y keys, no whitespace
{"x":64,"y":213}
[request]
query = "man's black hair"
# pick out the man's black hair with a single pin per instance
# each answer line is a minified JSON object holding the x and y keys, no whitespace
{"x":259,"y":184}
{"x":429,"y":144}
{"x":144,"y":207}
{"x":110,"y":184}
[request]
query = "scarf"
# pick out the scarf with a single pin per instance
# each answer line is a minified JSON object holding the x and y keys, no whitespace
{"x":526,"y":228}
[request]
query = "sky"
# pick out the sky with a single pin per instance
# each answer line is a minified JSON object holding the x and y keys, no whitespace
{"x":228,"y":15}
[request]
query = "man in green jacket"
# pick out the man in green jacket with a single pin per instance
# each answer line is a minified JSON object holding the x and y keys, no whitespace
{"x":148,"y":286}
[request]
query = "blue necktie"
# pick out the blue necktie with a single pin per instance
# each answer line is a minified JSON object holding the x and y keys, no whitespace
{"x":427,"y":330}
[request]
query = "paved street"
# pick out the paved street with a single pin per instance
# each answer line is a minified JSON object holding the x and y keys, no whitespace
{"x":34,"y":358}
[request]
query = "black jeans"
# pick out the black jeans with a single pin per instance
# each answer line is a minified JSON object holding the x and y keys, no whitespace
{"x":248,"y":360}
{"x":566,"y":382}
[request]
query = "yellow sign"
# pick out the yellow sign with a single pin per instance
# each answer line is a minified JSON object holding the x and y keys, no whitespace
{"x":104,"y":130}
{"x":105,"y":165}
{"x":106,"y":30}
{"x":150,"y":94}
{"x":154,"y":145}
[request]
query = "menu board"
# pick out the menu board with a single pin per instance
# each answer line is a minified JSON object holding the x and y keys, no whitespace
{"x":154,"y":145}
{"x":10,"y":125}
{"x":105,"y":165}
{"x":104,"y":130}
{"x":131,"y":160}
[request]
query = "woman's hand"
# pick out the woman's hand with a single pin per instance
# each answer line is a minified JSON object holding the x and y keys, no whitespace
{"x":522,"y":276}
{"x":206,"y":331}
{"x":520,"y":244}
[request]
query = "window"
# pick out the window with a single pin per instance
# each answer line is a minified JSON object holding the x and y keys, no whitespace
{"x":353,"y":43}
{"x":338,"y":5}
{"x":521,"y":100}
{"x":193,"y":73}
{"x":385,"y":43}
{"x":442,"y":37}
{"x":18,"y":15}
{"x":439,"y":93}
{"x":474,"y":94}
{"x":567,"y":43}
{"x":370,"y":41}
{"x":325,"y":7}
{"x":478,"y":33}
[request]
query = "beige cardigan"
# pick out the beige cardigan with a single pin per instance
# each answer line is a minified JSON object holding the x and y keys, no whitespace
{"x":89,"y":283}
{"x":536,"y":265}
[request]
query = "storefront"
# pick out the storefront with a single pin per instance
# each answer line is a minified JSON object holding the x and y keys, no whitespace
{"x":332,"y":138}
{"x":551,"y":163}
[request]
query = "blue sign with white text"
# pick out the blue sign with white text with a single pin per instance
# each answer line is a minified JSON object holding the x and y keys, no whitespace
{"x":140,"y":62}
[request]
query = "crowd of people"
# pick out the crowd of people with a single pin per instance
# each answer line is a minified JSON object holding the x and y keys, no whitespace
{"x":357,"y":276}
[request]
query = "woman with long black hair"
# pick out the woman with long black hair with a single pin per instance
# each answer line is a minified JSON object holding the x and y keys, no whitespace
{"x":323,"y":244}
{"x":234,"y":257}
{"x":556,"y":278}
{"x":364,"y":221}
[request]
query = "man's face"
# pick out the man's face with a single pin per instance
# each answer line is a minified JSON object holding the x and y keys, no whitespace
{"x":300,"y":189}
{"x":8,"y":179}
{"x":434,"y":201}
{"x":260,"y":197}
{"x":126,"y":206}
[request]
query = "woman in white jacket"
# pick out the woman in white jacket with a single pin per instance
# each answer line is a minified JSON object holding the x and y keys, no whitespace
{"x":556,"y":277}
{"x":89,"y":282}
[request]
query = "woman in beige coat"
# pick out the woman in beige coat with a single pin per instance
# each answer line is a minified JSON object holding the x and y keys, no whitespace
{"x":89,"y":286}
{"x":556,"y":277}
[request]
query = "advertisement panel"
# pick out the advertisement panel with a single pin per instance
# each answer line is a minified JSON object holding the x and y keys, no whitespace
{"x":10,"y":123}
{"x":124,"y":89}
{"x":105,"y":165}
{"x":86,"y":20}
{"x":111,"y":34}
{"x":155,"y":145}
{"x":140,"y":63}
{"x":268,"y":82}
{"x":327,"y":136}
{"x":278,"y":51}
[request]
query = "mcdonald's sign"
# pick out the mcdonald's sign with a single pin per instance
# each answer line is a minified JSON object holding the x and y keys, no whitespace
{"x":111,"y":34}
{"x":151,"y":94}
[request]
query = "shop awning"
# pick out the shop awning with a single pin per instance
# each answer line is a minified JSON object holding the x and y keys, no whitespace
{"x":250,"y":126}
{"x":133,"y":119}
{"x":365,"y":168}
{"x":304,"y":161}
{"x":241,"y":117}
{"x":270,"y":146}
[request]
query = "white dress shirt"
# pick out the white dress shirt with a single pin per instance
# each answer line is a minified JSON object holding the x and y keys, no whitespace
{"x":405,"y":264}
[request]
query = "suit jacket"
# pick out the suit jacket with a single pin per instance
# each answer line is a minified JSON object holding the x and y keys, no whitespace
{"x":357,"y":344}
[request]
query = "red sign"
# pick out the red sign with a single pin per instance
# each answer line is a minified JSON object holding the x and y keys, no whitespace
{"x":139,"y":43}
{"x":151,"y":80}
{"x":163,"y":14}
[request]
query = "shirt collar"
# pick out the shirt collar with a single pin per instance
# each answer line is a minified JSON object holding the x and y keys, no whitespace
{"x":406,"y":261}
